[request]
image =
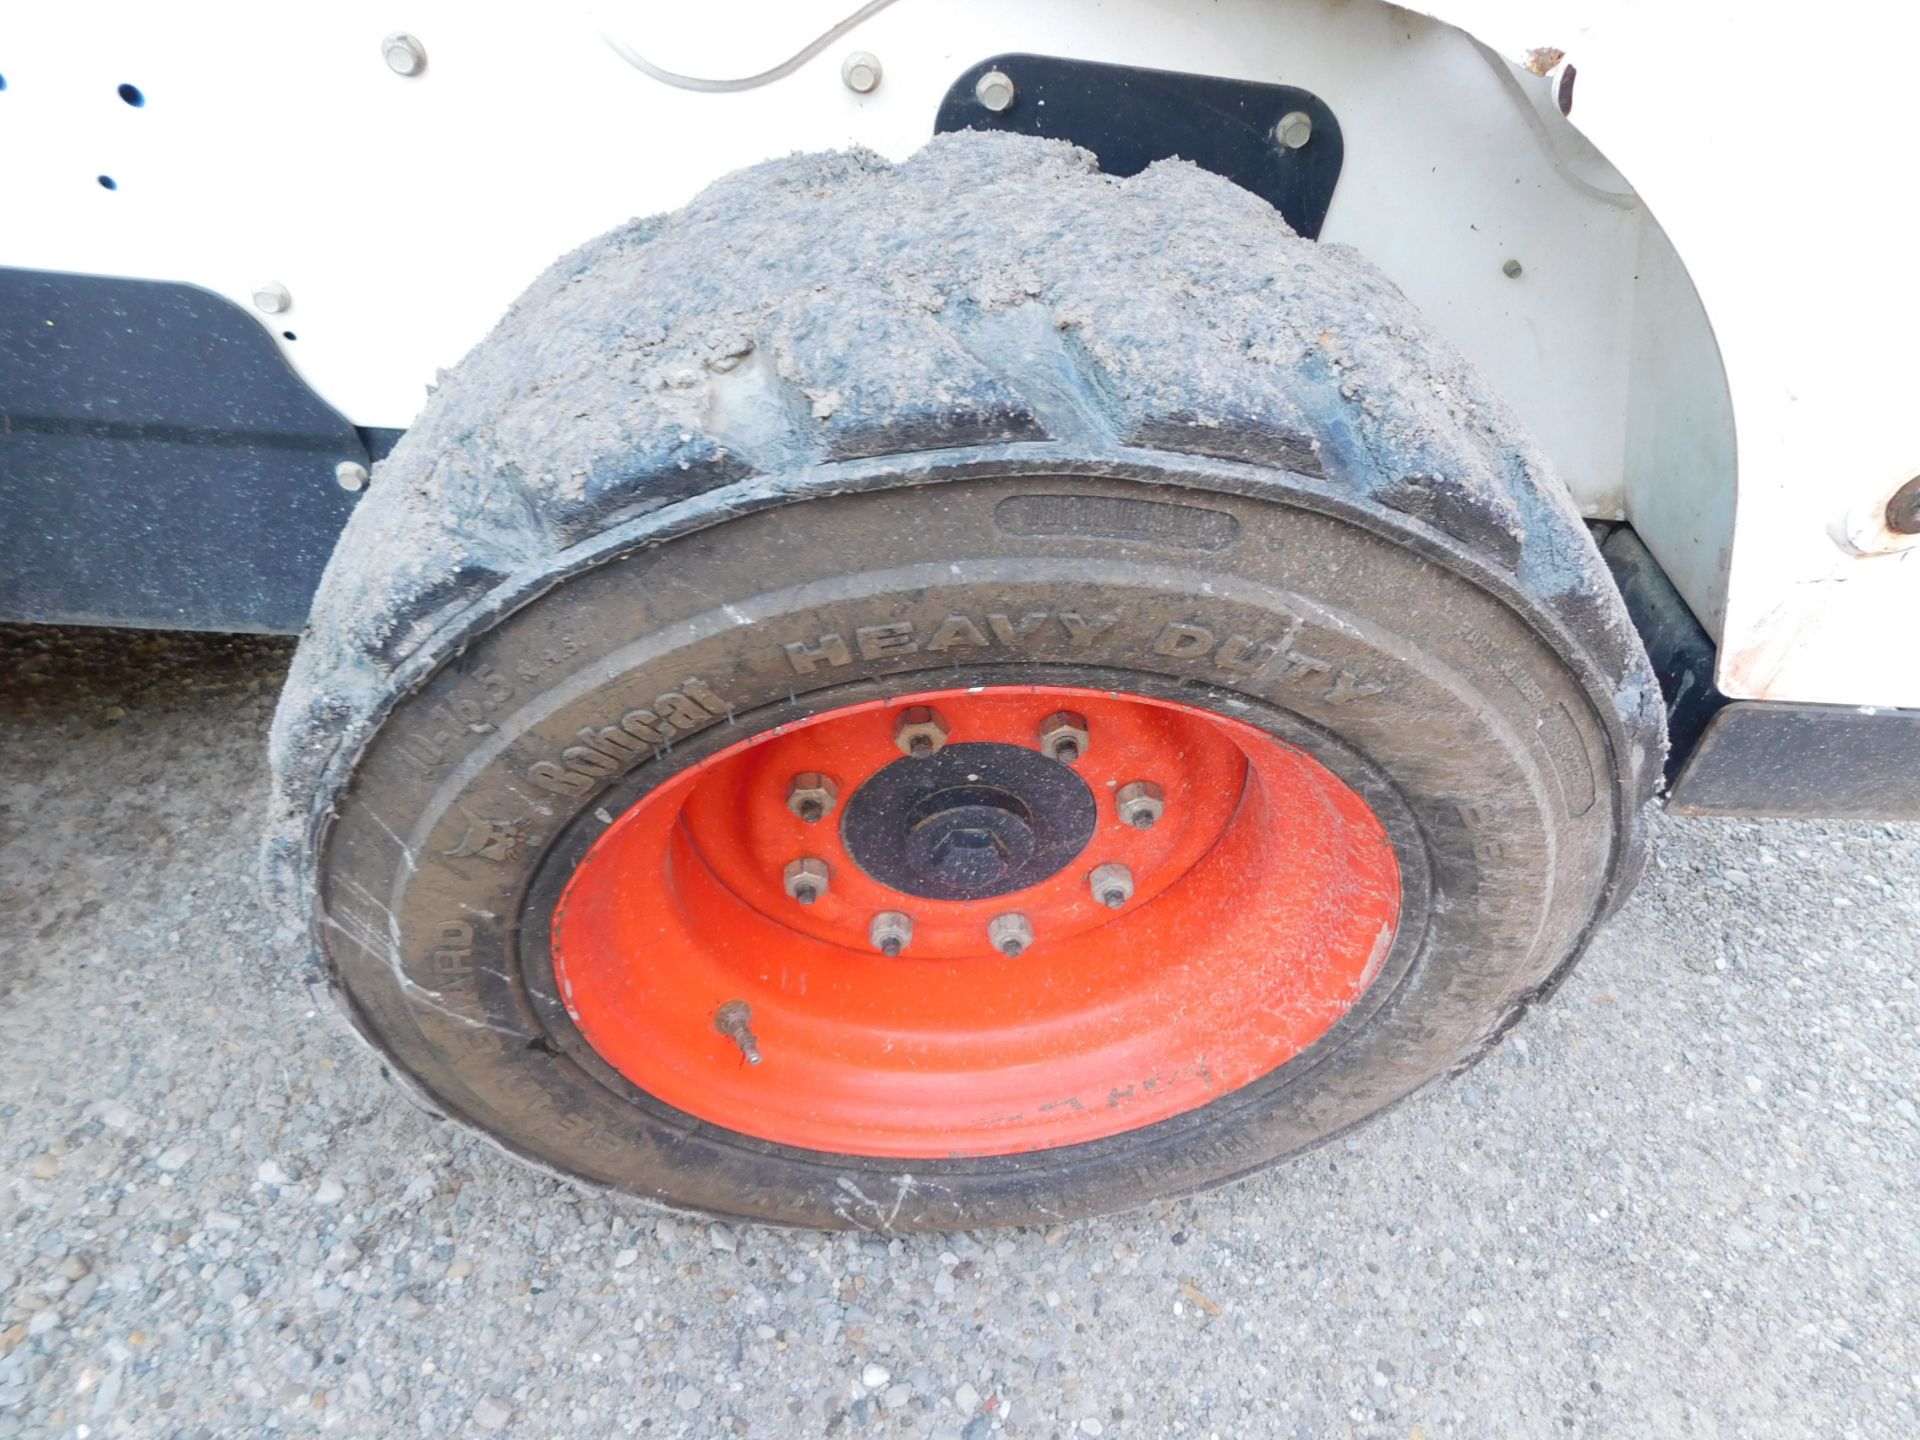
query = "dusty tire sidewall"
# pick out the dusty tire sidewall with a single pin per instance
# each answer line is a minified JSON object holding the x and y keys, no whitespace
{"x":1481,"y":748}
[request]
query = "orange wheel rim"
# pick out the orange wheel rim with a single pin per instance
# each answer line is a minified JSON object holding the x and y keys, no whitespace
{"x":1258,"y":908}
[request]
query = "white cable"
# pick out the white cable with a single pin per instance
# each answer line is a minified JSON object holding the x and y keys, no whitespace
{"x":746,"y":82}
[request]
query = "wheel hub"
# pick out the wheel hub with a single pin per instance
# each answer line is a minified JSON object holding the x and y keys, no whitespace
{"x":970,"y":822}
{"x":1027,"y":925}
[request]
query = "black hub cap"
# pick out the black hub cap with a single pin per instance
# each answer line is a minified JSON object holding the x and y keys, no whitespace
{"x":969,"y":822}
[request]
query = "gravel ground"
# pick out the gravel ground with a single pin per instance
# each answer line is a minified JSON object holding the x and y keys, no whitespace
{"x":1679,"y":1200}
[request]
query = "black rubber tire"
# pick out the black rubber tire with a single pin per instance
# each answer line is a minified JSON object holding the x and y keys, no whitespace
{"x":739,"y":465}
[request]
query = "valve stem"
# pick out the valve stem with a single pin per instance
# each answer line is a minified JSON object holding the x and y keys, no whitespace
{"x":731,"y":1020}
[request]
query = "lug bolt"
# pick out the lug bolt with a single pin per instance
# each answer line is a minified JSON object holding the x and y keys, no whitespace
{"x":994,"y":90}
{"x":1294,"y":130}
{"x":732,"y":1020}
{"x":860,"y":72}
{"x":1063,"y":736}
{"x":811,"y":796}
{"x":891,"y":932}
{"x":920,"y":730}
{"x":351,"y":475}
{"x":1010,"y":934}
{"x":806,"y":879}
{"x":1141,"y":803}
{"x":1112,"y":885}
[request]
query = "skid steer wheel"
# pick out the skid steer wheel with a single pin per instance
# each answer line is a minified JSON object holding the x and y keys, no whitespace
{"x":954,"y":693}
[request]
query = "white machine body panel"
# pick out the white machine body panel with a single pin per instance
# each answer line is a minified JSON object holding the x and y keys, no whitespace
{"x":1765,"y":316}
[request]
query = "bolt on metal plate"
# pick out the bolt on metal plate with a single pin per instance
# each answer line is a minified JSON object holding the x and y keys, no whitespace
{"x":404,"y":54}
{"x":860,"y":72}
{"x":272,"y":297}
{"x":995,"y":91}
{"x":1294,"y":130}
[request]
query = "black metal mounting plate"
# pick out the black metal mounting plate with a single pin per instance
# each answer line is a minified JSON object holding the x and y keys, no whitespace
{"x":1131,"y":117}
{"x":1803,"y":762}
{"x":160,"y":463}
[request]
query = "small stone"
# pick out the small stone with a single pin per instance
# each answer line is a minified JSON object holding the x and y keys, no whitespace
{"x":271,"y":1173}
{"x":897,"y":1395}
{"x":1091,"y":1426}
{"x":74,"y":1268}
{"x":175,"y":1158}
{"x":873,"y":1375}
{"x":331,"y":1192}
{"x":492,"y":1414}
{"x":228,"y":1283}
{"x":966,"y":1399}
{"x":722,"y":1239}
{"x":688,"y":1398}
{"x":625,"y":1258}
{"x":460,"y":1269}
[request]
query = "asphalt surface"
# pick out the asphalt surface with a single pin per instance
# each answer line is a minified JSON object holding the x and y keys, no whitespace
{"x":1680,"y":1200}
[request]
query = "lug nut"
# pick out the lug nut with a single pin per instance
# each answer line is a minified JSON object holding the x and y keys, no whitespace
{"x":811,"y":796}
{"x":1141,"y":803}
{"x":1294,"y":130}
{"x":920,"y":730}
{"x":1112,"y":885}
{"x":1010,"y":934}
{"x":807,"y":879}
{"x":1063,"y":736}
{"x":732,"y":1020}
{"x":891,"y":932}
{"x":994,"y":90}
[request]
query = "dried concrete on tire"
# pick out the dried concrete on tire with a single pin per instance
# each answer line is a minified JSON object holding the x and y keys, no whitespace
{"x":827,"y":308}
{"x":1678,"y":1200}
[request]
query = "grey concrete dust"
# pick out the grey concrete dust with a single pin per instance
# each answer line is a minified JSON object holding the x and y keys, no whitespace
{"x":1680,"y":1200}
